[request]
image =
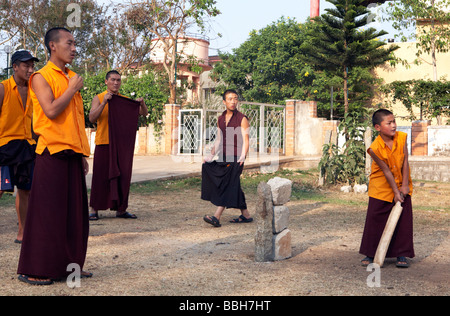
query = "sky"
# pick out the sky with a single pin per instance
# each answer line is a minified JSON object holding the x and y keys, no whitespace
{"x":239,"y":17}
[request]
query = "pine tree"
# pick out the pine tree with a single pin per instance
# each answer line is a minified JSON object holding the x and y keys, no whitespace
{"x":342,"y":40}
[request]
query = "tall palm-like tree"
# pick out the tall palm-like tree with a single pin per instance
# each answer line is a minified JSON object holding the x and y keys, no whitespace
{"x":342,"y":39}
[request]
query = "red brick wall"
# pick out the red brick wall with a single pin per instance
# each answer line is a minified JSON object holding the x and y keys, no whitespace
{"x":419,"y":138}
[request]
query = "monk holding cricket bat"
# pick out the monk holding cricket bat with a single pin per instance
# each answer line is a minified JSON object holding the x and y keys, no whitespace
{"x":390,"y":182}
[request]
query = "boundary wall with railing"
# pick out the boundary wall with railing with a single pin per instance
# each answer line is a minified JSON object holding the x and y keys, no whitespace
{"x":304,"y":136}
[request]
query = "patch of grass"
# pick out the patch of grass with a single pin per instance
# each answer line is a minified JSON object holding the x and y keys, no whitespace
{"x":250,"y":181}
{"x":7,"y":200}
{"x":166,"y":185}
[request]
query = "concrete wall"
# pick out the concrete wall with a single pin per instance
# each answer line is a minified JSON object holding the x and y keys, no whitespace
{"x":309,"y":136}
{"x":304,"y":136}
{"x":423,"y":70}
{"x":148,"y":141}
{"x":430,"y":168}
{"x":439,"y":141}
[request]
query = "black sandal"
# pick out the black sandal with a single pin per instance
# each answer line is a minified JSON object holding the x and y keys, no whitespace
{"x":26,"y":279}
{"x":402,"y":262}
{"x":85,"y":274}
{"x":366,"y":259}
{"x":212,"y":220}
{"x":242,"y":219}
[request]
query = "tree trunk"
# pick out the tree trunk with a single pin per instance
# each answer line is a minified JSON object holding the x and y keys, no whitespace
{"x":173,"y":94}
{"x":433,"y":57}
{"x":346,"y":89}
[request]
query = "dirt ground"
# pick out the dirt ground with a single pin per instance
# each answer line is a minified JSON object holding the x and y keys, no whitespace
{"x":170,"y":251}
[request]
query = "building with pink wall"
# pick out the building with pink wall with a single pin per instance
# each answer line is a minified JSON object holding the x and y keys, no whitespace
{"x":188,"y":48}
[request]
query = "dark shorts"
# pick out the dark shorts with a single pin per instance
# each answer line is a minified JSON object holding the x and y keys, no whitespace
{"x":7,"y":182}
{"x":17,"y":160}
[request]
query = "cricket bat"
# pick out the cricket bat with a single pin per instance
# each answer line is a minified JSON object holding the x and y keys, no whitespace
{"x":385,"y":240}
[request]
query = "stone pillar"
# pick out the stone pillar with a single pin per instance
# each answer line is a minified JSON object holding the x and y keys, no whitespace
{"x":419,"y":138}
{"x":171,"y":123}
{"x":281,"y":194}
{"x":273,"y":238}
{"x":264,"y":217}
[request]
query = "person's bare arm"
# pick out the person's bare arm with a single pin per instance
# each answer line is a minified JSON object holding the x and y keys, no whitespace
{"x":143,"y":107}
{"x":245,"y":126}
{"x":405,"y":173}
{"x":388,"y":174}
{"x":97,"y":107}
{"x":216,"y":147}
{"x":2,"y":95}
{"x":54,"y":107}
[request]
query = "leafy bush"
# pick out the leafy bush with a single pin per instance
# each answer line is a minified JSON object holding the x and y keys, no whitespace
{"x":133,"y":86}
{"x":346,"y":165}
{"x":431,"y":97}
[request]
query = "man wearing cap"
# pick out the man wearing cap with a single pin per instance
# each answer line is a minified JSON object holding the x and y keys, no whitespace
{"x":17,"y":146}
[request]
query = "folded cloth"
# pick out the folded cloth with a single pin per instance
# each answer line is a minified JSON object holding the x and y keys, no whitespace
{"x":123,"y":124}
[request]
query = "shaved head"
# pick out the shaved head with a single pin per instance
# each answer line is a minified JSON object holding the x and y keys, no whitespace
{"x":52,"y":35}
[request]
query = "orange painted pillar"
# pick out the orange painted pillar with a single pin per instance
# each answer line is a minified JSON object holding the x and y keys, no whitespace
{"x":315,"y":8}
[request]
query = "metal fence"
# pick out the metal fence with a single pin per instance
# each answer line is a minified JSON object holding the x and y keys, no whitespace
{"x":198,"y":128}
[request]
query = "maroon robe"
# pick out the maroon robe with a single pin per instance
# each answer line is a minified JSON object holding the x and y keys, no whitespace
{"x":113,"y":163}
{"x":57,"y":226}
{"x":402,"y":240}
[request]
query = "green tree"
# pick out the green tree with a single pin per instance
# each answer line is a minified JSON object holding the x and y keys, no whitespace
{"x":346,"y":164}
{"x":147,"y":86}
{"x":27,"y":21}
{"x":105,"y":37}
{"x":342,"y":41}
{"x":269,"y":66}
{"x":430,"y":18}
{"x":168,"y":21}
{"x":431,"y":97}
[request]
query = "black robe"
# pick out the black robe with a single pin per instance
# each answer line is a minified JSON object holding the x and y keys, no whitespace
{"x":221,"y":184}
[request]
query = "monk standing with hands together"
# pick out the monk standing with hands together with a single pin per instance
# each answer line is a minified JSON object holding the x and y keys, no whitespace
{"x":57,"y":227}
